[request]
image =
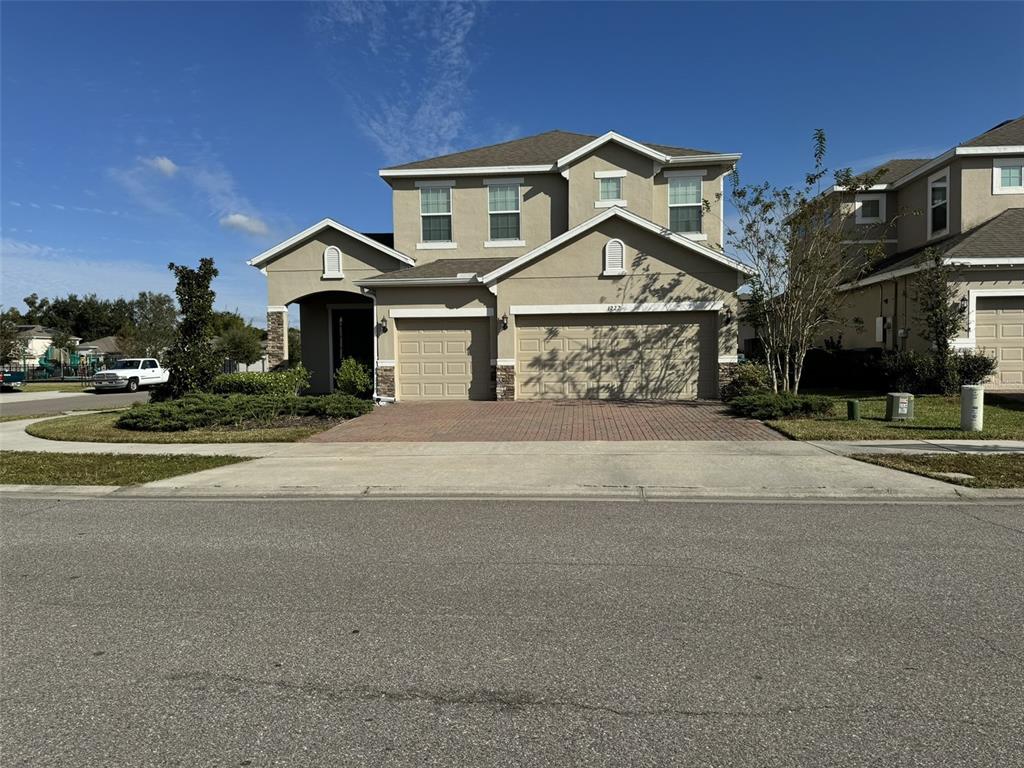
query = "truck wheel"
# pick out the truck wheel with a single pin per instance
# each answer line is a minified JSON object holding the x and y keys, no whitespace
{"x":133,"y":385}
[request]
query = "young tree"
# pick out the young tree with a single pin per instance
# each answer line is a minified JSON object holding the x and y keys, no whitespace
{"x":64,"y":344}
{"x":150,"y":331}
{"x":242,"y":345}
{"x":11,"y":347}
{"x":941,"y":315}
{"x":794,"y":240}
{"x":192,"y":361}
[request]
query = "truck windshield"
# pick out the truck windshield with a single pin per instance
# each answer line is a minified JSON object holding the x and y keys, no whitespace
{"x":127,"y":364}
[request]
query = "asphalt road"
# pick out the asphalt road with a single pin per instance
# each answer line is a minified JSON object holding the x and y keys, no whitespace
{"x":383,"y":633}
{"x":17,"y":404}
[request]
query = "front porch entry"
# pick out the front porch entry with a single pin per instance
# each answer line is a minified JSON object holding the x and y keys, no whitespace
{"x":351,"y":332}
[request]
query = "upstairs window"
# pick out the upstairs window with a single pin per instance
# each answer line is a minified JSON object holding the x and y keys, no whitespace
{"x":938,"y":204}
{"x":1008,"y":176}
{"x":684,"y":204}
{"x":609,"y":189}
{"x":503,"y":211}
{"x":615,"y":258}
{"x":870,"y":209}
{"x":436,"y":213}
{"x":332,"y":262}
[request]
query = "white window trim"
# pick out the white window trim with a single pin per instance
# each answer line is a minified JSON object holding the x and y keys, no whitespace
{"x":327,"y":275}
{"x":688,"y":172}
{"x":511,"y":242}
{"x":858,"y":202}
{"x":427,"y":245}
{"x":427,"y":312}
{"x":606,"y":272}
{"x":970,"y":341}
{"x":935,"y":177}
{"x":699,"y":174}
{"x":594,"y":309}
{"x":599,"y":176}
{"x":611,"y":203}
{"x":609,"y":174}
{"x":998,"y":164}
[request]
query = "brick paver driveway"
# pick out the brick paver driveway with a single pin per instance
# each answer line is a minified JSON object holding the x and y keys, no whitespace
{"x":546,"y":420}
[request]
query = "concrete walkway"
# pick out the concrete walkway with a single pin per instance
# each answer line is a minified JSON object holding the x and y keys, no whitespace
{"x":648,"y":469}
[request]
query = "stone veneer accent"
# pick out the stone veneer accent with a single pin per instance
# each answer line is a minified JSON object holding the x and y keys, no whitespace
{"x":277,"y":337}
{"x":505,"y":382}
{"x":726,"y":373}
{"x":385,"y":381}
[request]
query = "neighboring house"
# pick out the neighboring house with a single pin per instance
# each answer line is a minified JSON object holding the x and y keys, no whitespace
{"x":968,"y":205}
{"x":560,"y":265}
{"x":102,"y":350}
{"x":37,"y":340}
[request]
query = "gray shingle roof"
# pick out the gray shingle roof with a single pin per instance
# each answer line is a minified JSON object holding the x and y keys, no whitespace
{"x":1000,"y":236}
{"x":896,"y":168}
{"x":1007,"y":133}
{"x":442,"y":268}
{"x":542,"y":149}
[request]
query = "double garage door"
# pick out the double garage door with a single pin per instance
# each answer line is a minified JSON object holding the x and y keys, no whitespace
{"x":999,"y":330}
{"x":650,"y":356}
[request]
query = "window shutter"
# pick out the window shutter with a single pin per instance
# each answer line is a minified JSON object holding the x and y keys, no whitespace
{"x":332,"y":261}
{"x":614,"y":256}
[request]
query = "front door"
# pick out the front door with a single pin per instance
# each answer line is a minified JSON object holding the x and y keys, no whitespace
{"x":351,"y":336}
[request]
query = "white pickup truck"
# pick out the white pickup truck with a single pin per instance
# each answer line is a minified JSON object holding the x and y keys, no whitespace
{"x":130,"y":374}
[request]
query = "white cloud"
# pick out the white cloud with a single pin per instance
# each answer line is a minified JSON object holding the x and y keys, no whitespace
{"x":161,"y":163}
{"x":240,"y":221}
{"x":15,"y":203}
{"x":411,"y":97}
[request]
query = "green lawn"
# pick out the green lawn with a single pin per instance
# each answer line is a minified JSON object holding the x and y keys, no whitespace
{"x":935,"y":418}
{"x":33,"y":468}
{"x":99,"y":428}
{"x":55,"y":386}
{"x":998,"y":470}
{"x":19,"y":416}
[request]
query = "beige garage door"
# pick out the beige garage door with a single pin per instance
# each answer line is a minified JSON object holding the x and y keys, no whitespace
{"x":650,"y":356}
{"x":444,"y":359}
{"x":999,"y":329}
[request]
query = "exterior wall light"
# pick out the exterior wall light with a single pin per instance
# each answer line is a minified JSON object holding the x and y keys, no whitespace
{"x":503,"y":323}
{"x":384,"y":324}
{"x":728,"y":316}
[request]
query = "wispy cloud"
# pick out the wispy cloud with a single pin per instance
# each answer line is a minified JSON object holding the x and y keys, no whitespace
{"x":161,"y":163}
{"x":244,"y":223}
{"x":410,"y":91}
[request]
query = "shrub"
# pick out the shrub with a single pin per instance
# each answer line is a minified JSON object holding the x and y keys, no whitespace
{"x":748,"y":379}
{"x":907,"y":371}
{"x":353,"y":378}
{"x":286,"y":382}
{"x":197,"y":411}
{"x":782,"y":405}
{"x":973,"y":366}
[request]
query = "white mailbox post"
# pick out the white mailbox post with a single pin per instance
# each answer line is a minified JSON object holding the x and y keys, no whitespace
{"x":972,"y":407}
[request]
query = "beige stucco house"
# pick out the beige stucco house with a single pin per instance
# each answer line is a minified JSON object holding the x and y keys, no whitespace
{"x":968,"y":205}
{"x":560,"y":265}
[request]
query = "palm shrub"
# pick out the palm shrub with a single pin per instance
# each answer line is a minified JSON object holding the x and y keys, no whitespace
{"x":353,"y":378}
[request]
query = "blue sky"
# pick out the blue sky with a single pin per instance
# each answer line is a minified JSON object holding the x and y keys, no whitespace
{"x":134,"y":134}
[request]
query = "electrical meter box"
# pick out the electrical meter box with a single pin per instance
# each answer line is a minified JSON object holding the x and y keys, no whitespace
{"x":899,"y":406}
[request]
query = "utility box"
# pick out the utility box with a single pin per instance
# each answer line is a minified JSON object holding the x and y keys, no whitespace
{"x":899,"y":406}
{"x":972,"y":407}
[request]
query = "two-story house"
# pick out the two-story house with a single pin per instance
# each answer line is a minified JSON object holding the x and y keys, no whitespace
{"x":560,"y":265}
{"x":967,"y":205}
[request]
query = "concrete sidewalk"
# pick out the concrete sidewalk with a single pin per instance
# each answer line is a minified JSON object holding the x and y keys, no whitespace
{"x":648,"y":470}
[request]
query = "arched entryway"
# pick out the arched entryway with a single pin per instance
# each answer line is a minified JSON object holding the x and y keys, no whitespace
{"x":334,"y":325}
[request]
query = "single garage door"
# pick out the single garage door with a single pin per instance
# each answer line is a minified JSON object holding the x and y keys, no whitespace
{"x":649,"y":356}
{"x":444,"y":359}
{"x":999,"y":330}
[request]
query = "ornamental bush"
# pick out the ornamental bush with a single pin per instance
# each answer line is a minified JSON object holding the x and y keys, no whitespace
{"x":748,"y":379}
{"x":353,"y":378}
{"x":781,"y":405}
{"x":286,"y":382}
{"x":200,"y":410}
{"x":973,"y":366}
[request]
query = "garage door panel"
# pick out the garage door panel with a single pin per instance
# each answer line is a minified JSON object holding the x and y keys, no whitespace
{"x":444,"y":358}
{"x":999,"y":331}
{"x":644,"y":356}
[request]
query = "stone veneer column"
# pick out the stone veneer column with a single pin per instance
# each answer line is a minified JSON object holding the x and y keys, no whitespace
{"x":505,"y":380}
{"x":726,"y":373}
{"x":277,"y":336}
{"x":386,"y":381}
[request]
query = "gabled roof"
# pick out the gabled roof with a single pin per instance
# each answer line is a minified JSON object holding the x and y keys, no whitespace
{"x":543,"y":152}
{"x":894,"y":169}
{"x":106,"y":345}
{"x":1007,"y":133}
{"x":371,"y":240}
{"x":38,"y":332}
{"x":614,"y":212}
{"x":991,"y":243}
